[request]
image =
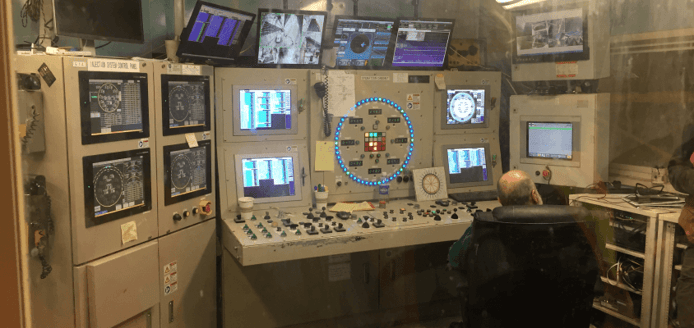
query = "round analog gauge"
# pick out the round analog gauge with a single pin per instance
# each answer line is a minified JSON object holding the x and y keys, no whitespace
{"x":431,"y":184}
{"x":108,"y":97}
{"x":108,"y":186}
{"x":179,"y":103}
{"x":462,"y":107}
{"x":180,"y":172}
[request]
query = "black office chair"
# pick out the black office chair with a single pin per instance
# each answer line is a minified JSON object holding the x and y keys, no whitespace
{"x":530,"y":266}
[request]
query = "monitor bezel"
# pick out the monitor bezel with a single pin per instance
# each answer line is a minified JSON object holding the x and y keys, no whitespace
{"x":87,"y":36}
{"x":166,"y":129}
{"x":575,"y":140}
{"x":236,"y":103}
{"x":391,"y":56}
{"x":487,"y":157}
{"x":88,"y":182}
{"x":168,"y":199}
{"x":85,"y":117}
{"x":466,"y":126}
{"x":297,"y":175}
{"x":389,"y":50}
{"x":296,"y":12}
{"x":186,"y":49}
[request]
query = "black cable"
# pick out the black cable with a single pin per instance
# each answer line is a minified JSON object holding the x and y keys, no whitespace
{"x":327,"y":129}
{"x":103,"y":45}
{"x":32,"y":10}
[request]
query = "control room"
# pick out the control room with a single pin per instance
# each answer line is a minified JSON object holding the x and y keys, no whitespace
{"x":346,"y":163}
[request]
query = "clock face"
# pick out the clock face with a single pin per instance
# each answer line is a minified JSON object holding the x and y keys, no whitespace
{"x":108,"y":97}
{"x":462,"y":107}
{"x":431,"y":184}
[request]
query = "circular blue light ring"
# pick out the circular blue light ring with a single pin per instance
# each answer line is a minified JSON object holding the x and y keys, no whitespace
{"x":397,"y":171}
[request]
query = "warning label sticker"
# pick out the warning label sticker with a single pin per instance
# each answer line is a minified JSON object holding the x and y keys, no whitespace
{"x":170,"y":278}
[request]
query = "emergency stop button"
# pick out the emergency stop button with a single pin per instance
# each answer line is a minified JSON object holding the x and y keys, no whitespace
{"x":205,"y":207}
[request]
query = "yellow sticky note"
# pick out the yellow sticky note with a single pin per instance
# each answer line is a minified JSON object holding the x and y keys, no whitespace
{"x":325,"y":154}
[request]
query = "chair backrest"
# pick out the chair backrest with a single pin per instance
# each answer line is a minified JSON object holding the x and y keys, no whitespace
{"x":531,"y":266}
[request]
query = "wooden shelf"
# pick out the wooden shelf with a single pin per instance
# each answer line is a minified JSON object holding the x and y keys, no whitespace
{"x":617,"y":315}
{"x":624,"y":250}
{"x":620,"y":285}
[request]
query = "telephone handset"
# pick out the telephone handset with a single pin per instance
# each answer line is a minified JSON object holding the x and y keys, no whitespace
{"x":322,"y":90}
{"x":40,"y":220}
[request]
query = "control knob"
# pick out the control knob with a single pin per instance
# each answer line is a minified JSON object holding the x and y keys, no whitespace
{"x":177,"y":217}
{"x":186,"y":214}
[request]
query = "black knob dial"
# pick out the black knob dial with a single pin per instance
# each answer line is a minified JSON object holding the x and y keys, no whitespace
{"x":454,"y":216}
{"x":310,"y":216}
{"x":339,"y":183}
{"x":177,"y":217}
{"x":399,"y":179}
{"x":365,"y":225}
{"x":195,"y":210}
{"x":322,"y":214}
{"x":186,"y":214}
{"x":437,"y":218}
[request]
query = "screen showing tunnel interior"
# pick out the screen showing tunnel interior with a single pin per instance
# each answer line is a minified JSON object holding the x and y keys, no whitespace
{"x":421,"y":43}
{"x":465,"y":107}
{"x":118,"y":185}
{"x":287,"y":38}
{"x":550,"y":140}
{"x":549,"y":33}
{"x":467,"y":165}
{"x":265,"y":109}
{"x":188,"y":170}
{"x":186,"y":103}
{"x":115,"y":106}
{"x":268,"y":177}
{"x":361,"y":42}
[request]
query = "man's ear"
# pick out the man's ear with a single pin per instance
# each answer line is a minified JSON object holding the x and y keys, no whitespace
{"x":536,"y":197}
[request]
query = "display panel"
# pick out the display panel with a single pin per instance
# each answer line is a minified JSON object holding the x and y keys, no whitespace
{"x":265,"y":177}
{"x":550,"y":140}
{"x":119,"y":21}
{"x":113,"y":106}
{"x":265,"y":109}
{"x":185,"y":104}
{"x":466,"y":165}
{"x":116,"y":185}
{"x":187,"y":171}
{"x":291,"y":38}
{"x":214,"y":33}
{"x":465,"y":106}
{"x":421,"y":43}
{"x":362,"y":42}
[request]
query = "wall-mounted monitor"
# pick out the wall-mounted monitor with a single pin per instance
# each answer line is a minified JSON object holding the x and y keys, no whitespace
{"x":113,"y":106}
{"x":553,"y":140}
{"x":214,"y":33}
{"x":116,"y":185}
{"x":265,"y":110}
{"x":119,"y":21}
{"x":363,"y":42}
{"x":466,"y":107}
{"x":268,"y":177}
{"x":187,"y":171}
{"x":290,"y":38}
{"x":422,"y":43}
{"x":185,"y":104}
{"x":467,"y":165}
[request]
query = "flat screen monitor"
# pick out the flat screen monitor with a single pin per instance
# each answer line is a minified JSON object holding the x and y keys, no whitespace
{"x":266,"y":109}
{"x":551,"y":140}
{"x":268,"y":177}
{"x":467,"y":165}
{"x":422,"y":43}
{"x":185,"y":104}
{"x":116,"y":185}
{"x":290,"y":38}
{"x":362,"y":42}
{"x":465,"y":106}
{"x":113,"y":106}
{"x":551,"y":35}
{"x":119,"y":21}
{"x":187,"y":171}
{"x":214,"y":33}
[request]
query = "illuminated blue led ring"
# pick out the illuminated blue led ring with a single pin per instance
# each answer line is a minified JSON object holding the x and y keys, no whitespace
{"x":399,"y":170}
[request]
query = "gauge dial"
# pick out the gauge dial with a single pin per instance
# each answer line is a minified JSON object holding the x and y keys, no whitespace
{"x":180,"y":172}
{"x":179,"y":104}
{"x":108,"y":97}
{"x":462,"y":107}
{"x":108,"y":186}
{"x":431,"y":184}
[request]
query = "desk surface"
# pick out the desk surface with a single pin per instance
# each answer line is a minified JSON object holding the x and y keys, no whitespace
{"x":617,"y":202}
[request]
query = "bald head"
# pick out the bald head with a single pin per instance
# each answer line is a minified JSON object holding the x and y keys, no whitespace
{"x":516,"y":188}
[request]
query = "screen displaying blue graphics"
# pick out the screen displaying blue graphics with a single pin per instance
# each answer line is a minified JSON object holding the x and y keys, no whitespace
{"x":421,"y":43}
{"x":265,"y":109}
{"x":268,"y":177}
{"x":289,"y":38}
{"x":550,"y":140}
{"x":465,"y":107}
{"x":467,"y":165}
{"x":361,"y":42}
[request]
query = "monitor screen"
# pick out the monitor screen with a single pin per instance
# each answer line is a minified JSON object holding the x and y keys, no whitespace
{"x":290,"y":38}
{"x":215,"y":32}
{"x":465,"y":106}
{"x":421,"y":43}
{"x":466,"y":165}
{"x":265,"y":177}
{"x":185,"y":103}
{"x":362,"y":42}
{"x":265,"y":109}
{"x":550,"y":140}
{"x":551,"y":36}
{"x":187,"y":171}
{"x":119,"y":21}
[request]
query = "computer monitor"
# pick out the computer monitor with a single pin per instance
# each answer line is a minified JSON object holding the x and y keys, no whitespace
{"x":268,"y":177}
{"x":265,"y":110}
{"x":119,"y":21}
{"x":550,"y":140}
{"x":362,"y":42}
{"x":422,"y":43}
{"x":187,"y":171}
{"x":116,"y":185}
{"x":185,"y":104}
{"x":465,"y":107}
{"x":466,"y":165}
{"x":214,"y":33}
{"x":114,"y":106}
{"x":290,"y":38}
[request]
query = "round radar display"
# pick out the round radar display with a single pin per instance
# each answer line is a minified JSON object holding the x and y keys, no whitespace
{"x":374,"y":141}
{"x":462,"y":107}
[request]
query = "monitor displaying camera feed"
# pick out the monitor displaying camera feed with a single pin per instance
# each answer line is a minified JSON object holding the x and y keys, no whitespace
{"x":465,"y":106}
{"x":421,"y":43}
{"x":550,"y":140}
{"x":187,"y":171}
{"x":265,"y":177}
{"x":185,"y":103}
{"x":467,"y":165}
{"x":290,"y":38}
{"x":550,"y":33}
{"x":265,"y":109}
{"x":362,"y":42}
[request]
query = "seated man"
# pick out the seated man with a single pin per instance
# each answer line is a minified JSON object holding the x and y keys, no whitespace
{"x":514,"y":188}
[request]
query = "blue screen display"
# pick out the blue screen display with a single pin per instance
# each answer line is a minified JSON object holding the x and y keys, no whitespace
{"x":421,"y":43}
{"x":467,"y":165}
{"x":220,"y":26}
{"x":265,"y":109}
{"x":268,"y":177}
{"x":362,"y":43}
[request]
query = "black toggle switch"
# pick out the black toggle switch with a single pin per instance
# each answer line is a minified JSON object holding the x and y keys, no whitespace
{"x":437,"y":218}
{"x":267,"y":216}
{"x":365,"y":225}
{"x":177,"y":217}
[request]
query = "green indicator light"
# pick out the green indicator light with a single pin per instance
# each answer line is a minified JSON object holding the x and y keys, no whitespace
{"x":95,"y":96}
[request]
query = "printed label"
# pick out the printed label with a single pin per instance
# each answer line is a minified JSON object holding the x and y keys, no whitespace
{"x":143,"y":143}
{"x":400,"y":77}
{"x":289,"y":81}
{"x":112,"y":65}
{"x":375,"y":78}
{"x":79,"y":64}
{"x":190,"y":69}
{"x":206,"y":135}
{"x":339,"y":272}
{"x":339,"y":258}
{"x":173,"y":69}
{"x":567,"y":69}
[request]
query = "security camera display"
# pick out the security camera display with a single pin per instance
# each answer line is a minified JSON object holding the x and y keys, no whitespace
{"x":467,"y":165}
{"x":550,"y":140}
{"x":188,"y":169}
{"x":465,"y":106}
{"x":118,"y":185}
{"x":268,"y":177}
{"x":550,"y":33}
{"x":116,"y":105}
{"x":361,"y":42}
{"x":288,"y":38}
{"x":186,"y":103}
{"x":265,"y":109}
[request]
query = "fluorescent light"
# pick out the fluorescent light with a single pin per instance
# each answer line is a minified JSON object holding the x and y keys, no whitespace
{"x":522,"y":3}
